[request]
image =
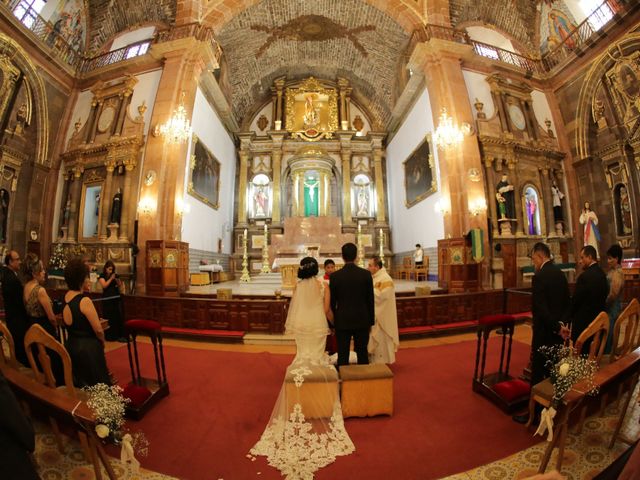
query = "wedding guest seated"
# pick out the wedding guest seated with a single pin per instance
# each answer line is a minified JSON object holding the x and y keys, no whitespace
{"x":39,"y":308}
{"x":85,"y":342}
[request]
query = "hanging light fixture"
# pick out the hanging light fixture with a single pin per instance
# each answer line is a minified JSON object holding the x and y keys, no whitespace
{"x":448,"y":133}
{"x":177,"y":129}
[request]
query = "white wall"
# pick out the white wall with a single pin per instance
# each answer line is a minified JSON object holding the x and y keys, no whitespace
{"x":477,"y":87}
{"x":203,"y":225}
{"x":420,"y":223}
{"x":541,"y":110}
{"x":132,"y":37}
{"x":490,"y":37}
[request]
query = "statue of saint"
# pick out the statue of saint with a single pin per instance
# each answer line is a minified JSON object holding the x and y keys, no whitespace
{"x":66,"y":213}
{"x":116,"y":208}
{"x":625,"y":211}
{"x":4,"y":214}
{"x":502,"y":210}
{"x":589,"y":219}
{"x":363,"y":202}
{"x":261,"y":201}
{"x":311,"y":116}
{"x":505,"y":189}
{"x":557,"y":196}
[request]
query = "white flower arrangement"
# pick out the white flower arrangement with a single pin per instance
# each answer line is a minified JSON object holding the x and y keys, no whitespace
{"x":566,"y":369}
{"x":109,"y":406}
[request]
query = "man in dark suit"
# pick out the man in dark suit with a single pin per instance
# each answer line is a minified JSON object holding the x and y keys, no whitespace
{"x":15,"y":313}
{"x":352,"y":304}
{"x":590,"y":296}
{"x":17,"y":437}
{"x":549,"y":305}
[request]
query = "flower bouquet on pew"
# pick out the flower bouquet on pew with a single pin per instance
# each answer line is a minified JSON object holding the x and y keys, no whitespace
{"x":109,"y":406}
{"x":566,"y":369}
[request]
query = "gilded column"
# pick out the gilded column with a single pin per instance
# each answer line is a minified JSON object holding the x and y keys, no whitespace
{"x":380,"y":199}
{"x":301,"y":203}
{"x":106,"y":195}
{"x":346,"y":188}
{"x":491,"y":201}
{"x":547,"y":201}
{"x":76,"y":188}
{"x":321,"y":197}
{"x":242,"y":187}
{"x":126,"y":198}
{"x":517,"y":194}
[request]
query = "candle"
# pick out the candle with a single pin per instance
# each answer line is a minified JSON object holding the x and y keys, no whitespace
{"x":245,"y":233}
{"x":380,"y":233}
{"x":359,"y":228}
{"x":265,"y":228}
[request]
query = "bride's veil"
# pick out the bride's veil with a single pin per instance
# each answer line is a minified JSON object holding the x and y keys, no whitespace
{"x":306,"y":429}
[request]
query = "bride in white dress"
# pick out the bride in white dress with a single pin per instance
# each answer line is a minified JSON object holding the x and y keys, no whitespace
{"x":306,"y":430}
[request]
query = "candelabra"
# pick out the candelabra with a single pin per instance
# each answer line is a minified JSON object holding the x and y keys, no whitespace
{"x":381,"y":254}
{"x":360,"y":247}
{"x":245,"y":277}
{"x":265,"y":252}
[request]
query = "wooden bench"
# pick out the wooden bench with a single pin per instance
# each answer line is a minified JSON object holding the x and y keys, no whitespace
{"x":70,"y":412}
{"x":626,"y":370}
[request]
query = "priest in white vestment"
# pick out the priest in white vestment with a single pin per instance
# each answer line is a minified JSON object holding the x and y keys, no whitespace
{"x":383,"y":340}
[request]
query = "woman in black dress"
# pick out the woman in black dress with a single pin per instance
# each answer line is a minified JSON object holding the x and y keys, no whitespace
{"x":85,"y":342}
{"x":112,"y":309}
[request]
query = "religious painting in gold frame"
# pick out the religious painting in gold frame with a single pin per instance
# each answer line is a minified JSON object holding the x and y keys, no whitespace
{"x":419,"y":174}
{"x":204,"y":174}
{"x":311,"y":110}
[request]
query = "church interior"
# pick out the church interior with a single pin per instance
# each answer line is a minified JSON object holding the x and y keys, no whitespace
{"x":206,"y":146}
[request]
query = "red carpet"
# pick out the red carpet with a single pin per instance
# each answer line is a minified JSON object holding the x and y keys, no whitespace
{"x":220,"y":403}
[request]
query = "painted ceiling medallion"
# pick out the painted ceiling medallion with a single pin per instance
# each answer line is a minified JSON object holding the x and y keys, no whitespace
{"x":311,"y":28}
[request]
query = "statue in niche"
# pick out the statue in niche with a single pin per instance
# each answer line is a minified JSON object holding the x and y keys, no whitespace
{"x":261,"y":201}
{"x":625,"y":211}
{"x":311,"y":115}
{"x":66,"y":213}
{"x":116,"y":208}
{"x":505,"y":189}
{"x":502,"y":209}
{"x":589,"y":219}
{"x":531,"y":206}
{"x":363,"y":202}
{"x":21,"y":119}
{"x":4,"y":214}
{"x":557,"y":197}
{"x":311,"y":197}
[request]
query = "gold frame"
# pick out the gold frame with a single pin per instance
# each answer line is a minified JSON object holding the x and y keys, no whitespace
{"x":85,"y":186}
{"x":431,"y":164}
{"x":326,"y":128}
{"x":192,"y":164}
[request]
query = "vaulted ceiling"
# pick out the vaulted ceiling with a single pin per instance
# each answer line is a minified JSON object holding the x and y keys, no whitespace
{"x":323,"y":38}
{"x":362,"y":40}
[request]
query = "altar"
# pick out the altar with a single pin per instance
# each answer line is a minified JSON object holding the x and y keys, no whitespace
{"x":288,"y":268}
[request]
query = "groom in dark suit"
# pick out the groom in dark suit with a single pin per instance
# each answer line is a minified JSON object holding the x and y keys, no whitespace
{"x":352,"y":304}
{"x":15,"y":313}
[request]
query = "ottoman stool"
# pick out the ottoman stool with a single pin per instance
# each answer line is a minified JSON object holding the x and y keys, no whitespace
{"x":367,"y":390}
{"x":317,"y":394}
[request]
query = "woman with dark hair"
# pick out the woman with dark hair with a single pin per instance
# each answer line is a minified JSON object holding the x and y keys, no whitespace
{"x":298,"y":440}
{"x":112,"y":308}
{"x":85,"y":341}
{"x":39,"y":307}
{"x":615,"y":278}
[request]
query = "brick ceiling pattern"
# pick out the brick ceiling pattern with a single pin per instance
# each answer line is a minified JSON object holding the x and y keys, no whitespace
{"x":516,"y":18}
{"x":323,"y":38}
{"x":110,"y":17}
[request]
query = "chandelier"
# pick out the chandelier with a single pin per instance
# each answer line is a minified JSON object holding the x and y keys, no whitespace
{"x":448,"y":133}
{"x":177,"y":129}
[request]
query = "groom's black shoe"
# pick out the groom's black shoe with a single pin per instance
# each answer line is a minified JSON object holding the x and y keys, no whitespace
{"x":523,"y":418}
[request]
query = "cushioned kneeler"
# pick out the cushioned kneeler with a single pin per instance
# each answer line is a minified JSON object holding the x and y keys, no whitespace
{"x":317,"y":394}
{"x":367,"y":390}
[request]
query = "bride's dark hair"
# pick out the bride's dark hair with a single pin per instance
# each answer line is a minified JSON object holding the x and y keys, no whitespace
{"x":308,"y":268}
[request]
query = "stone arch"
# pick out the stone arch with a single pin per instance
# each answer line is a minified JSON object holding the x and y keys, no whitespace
{"x":222,"y":11}
{"x":588,"y":90}
{"x":20,"y":58}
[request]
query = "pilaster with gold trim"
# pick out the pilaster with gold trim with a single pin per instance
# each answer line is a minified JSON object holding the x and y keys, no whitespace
{"x":76,"y":188}
{"x":379,"y":174}
{"x":106,"y":195}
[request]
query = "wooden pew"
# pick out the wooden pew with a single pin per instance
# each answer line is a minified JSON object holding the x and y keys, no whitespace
{"x":627,"y":369}
{"x":66,"y":410}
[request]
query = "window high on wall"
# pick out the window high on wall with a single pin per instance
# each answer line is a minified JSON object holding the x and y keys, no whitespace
{"x":598,"y":12}
{"x":28,"y":10}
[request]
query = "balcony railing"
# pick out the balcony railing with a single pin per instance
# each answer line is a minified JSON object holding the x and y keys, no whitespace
{"x":609,"y":10}
{"x":59,"y":46}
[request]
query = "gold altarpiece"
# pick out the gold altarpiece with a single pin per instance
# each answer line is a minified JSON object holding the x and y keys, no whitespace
{"x":101,"y":174}
{"x":313,"y":177}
